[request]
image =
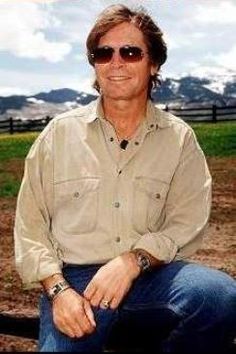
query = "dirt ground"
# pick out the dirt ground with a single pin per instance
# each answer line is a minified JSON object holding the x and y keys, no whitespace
{"x":218,"y":251}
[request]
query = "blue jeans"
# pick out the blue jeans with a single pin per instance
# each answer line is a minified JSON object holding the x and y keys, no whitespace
{"x":178,"y":308}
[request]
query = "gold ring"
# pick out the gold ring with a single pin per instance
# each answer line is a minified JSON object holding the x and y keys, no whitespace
{"x":105,"y":303}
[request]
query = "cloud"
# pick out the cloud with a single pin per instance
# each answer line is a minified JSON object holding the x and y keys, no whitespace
{"x":81,"y":57}
{"x":13,"y":90}
{"x":30,"y":83}
{"x":227,"y":59}
{"x":22,"y":31}
{"x":221,"y":12}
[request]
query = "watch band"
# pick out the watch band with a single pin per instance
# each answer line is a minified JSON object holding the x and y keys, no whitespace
{"x":143,"y":261}
{"x":56,"y":289}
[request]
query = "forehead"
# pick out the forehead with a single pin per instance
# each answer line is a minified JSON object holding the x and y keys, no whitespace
{"x":124,"y":33}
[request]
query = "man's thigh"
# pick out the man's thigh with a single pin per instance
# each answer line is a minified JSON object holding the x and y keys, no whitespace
{"x":160,"y":300}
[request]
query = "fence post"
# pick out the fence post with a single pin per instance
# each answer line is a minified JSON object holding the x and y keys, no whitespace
{"x":166,"y":108}
{"x":214,"y":114}
{"x":47,"y":119}
{"x":11,"y":126}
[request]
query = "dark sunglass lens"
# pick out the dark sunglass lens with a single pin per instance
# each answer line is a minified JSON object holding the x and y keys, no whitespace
{"x":131,"y":54}
{"x":102,"y":55}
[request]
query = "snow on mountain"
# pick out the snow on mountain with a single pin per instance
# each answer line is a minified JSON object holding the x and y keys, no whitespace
{"x":34,"y":100}
{"x":202,"y":87}
{"x":219,"y":77}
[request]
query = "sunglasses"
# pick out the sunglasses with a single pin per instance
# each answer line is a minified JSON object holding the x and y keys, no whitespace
{"x":130,"y":54}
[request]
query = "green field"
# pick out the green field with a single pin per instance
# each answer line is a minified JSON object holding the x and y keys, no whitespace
{"x":215,"y":139}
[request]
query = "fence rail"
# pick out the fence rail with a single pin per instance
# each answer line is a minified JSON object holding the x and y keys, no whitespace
{"x":199,"y":114}
{"x":207,"y":114}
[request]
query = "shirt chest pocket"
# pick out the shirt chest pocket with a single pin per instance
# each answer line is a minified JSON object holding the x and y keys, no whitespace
{"x":149,"y":196}
{"x":76,"y":205}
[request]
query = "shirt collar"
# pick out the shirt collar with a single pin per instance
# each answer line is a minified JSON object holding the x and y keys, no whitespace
{"x":155,"y":117}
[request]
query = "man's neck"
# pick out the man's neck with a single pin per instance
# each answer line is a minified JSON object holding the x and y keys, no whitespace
{"x":124,"y":115}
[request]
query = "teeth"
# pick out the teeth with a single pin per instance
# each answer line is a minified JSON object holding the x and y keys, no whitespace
{"x":118,"y":78}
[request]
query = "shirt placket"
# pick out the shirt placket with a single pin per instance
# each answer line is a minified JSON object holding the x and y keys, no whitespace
{"x":121,"y":158}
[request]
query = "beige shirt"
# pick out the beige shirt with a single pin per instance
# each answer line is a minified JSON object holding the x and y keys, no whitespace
{"x":84,"y":200}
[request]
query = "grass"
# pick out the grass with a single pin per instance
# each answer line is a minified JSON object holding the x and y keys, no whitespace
{"x":15,"y":146}
{"x":9,"y":185}
{"x":215,"y":139}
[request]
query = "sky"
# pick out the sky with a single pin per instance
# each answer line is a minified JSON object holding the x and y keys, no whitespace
{"x":42,"y":42}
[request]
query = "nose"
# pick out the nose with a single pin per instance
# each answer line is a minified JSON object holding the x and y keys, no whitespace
{"x":116,"y":59}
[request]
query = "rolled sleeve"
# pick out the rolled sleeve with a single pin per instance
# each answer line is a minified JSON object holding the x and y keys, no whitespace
{"x":35,"y":252}
{"x":187,"y":208}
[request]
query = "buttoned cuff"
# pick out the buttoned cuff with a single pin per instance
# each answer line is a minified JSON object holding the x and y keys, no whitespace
{"x":31,"y":277}
{"x":158,"y":245}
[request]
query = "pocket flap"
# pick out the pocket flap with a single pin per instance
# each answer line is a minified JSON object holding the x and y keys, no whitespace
{"x":154,"y":188}
{"x":76,"y":189}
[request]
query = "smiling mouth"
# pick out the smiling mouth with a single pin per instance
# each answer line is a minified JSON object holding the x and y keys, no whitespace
{"x":118,"y":78}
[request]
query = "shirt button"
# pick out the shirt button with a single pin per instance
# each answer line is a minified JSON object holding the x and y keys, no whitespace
{"x":136,"y":143}
{"x":118,"y":239}
{"x":76,"y":195}
{"x":158,"y":196}
{"x":111,"y":139}
{"x":119,"y":172}
{"x":152,"y":125}
{"x":117,"y":204}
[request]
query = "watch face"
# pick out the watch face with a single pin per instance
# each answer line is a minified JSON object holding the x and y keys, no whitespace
{"x":143,"y":262}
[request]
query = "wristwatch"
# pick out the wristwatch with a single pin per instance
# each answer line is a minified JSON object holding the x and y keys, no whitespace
{"x":56,"y":289}
{"x":143,"y":261}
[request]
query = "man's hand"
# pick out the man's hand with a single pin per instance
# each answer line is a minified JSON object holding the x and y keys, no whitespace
{"x":72,"y":314}
{"x":112,"y":281}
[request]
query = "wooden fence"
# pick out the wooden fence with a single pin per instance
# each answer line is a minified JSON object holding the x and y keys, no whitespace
{"x":207,"y":114}
{"x":203,"y":114}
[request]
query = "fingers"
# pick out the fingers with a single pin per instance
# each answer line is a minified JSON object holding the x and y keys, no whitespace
{"x":68,"y":328}
{"x":85,"y":324}
{"x":90,"y":291}
{"x":89,"y":313}
{"x":73,"y":315}
{"x":75,"y":327}
{"x":100,"y":297}
{"x":114,"y":303}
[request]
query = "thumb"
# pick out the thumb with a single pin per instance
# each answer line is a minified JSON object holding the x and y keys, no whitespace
{"x":89,"y":312}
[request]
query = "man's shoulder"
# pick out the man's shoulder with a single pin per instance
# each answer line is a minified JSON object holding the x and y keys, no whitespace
{"x":67,"y":122}
{"x":84,"y":114}
{"x":177,"y":127}
{"x":167,"y":119}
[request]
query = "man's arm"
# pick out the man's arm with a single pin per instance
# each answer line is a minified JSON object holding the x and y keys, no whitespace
{"x":187,"y":208}
{"x":35,"y":249}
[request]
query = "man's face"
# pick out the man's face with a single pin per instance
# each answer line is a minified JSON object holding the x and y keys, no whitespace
{"x":117,"y":78}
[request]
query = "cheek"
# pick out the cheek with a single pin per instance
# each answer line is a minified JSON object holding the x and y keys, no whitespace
{"x":100,"y":71}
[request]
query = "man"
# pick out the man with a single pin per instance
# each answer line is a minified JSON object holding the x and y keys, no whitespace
{"x":114,"y":197}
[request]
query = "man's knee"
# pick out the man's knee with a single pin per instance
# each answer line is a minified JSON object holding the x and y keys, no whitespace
{"x":207,"y":294}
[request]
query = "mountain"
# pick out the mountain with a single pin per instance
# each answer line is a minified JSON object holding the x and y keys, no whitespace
{"x":198,"y":89}
{"x":203,"y":87}
{"x":42,"y":104}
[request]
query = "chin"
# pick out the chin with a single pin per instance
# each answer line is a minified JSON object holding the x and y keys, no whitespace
{"x":119,"y":94}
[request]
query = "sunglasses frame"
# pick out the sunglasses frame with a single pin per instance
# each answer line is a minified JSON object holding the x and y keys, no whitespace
{"x":131,"y":59}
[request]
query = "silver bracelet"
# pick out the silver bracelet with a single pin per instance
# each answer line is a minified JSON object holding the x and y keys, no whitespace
{"x":56,"y":289}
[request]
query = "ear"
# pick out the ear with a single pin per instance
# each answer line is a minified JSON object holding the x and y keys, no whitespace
{"x":154,"y":69}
